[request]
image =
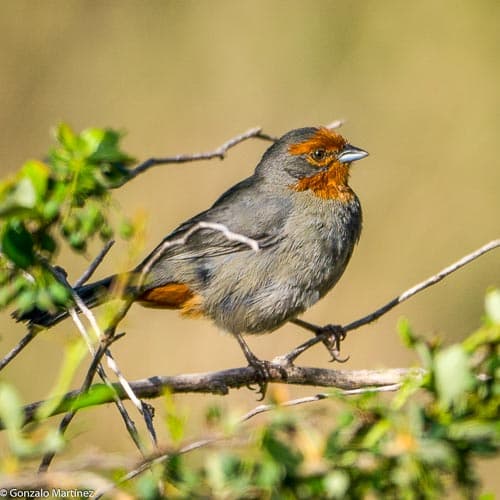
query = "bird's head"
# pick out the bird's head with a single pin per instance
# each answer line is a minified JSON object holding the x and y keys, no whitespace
{"x":315,"y":159}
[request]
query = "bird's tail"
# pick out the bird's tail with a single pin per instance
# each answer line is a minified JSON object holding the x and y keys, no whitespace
{"x":92,"y":295}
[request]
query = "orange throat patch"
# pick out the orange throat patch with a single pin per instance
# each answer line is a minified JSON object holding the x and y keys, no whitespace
{"x":330,"y":181}
{"x":173,"y":296}
{"x":328,"y":184}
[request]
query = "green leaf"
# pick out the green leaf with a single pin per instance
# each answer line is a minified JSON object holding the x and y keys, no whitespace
{"x":59,"y":293}
{"x":173,"y":420}
{"x":147,"y":487}
{"x":452,"y":374}
{"x":74,"y":355}
{"x":268,"y":474}
{"x":492,"y":305}
{"x":48,"y":243}
{"x":51,"y":209}
{"x":11,"y":409}
{"x":24,"y":194}
{"x":436,"y":452}
{"x":406,"y":334}
{"x":280,"y":452}
{"x":102,"y":146}
{"x":38,"y":173}
{"x":336,"y":484}
{"x":17,"y":244}
{"x":25,"y":300}
{"x":474,"y":430}
{"x":78,"y":241}
{"x":376,"y":433}
{"x":126,"y":229}
{"x":66,"y":137}
{"x":106,"y":232}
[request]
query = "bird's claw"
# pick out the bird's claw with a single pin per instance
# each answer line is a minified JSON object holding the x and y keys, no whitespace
{"x":263,"y":370}
{"x":332,"y":337}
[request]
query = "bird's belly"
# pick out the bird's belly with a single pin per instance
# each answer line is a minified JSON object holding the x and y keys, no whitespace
{"x":258,"y":292}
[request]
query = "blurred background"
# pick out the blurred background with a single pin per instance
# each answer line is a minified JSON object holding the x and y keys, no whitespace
{"x":416,"y":82}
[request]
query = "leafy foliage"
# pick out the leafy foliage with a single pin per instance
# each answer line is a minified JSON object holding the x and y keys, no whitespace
{"x":64,"y":199}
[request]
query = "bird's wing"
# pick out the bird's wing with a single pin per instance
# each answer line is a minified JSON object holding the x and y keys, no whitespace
{"x":243,"y":210}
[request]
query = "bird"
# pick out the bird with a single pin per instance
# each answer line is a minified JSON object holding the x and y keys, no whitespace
{"x":299,"y":209}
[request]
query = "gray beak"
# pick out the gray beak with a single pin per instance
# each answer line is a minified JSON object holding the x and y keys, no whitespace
{"x":351,"y":153}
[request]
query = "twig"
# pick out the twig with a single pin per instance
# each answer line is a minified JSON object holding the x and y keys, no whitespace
{"x":220,"y":382}
{"x":219,"y":152}
{"x":436,"y":278}
{"x":18,"y":348}
{"x":335,"y":124}
{"x":317,"y":397}
{"x":94,"y":264}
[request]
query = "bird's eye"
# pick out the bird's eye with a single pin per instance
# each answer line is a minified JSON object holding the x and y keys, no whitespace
{"x":318,"y":154}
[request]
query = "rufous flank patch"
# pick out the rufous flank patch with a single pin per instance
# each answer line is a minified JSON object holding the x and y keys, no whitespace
{"x":170,"y":296}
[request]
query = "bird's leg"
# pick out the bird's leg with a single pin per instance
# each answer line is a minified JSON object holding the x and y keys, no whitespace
{"x":261,"y":367}
{"x":264,"y":369}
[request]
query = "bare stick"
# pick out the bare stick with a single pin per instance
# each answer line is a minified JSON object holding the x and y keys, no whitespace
{"x":335,"y":124}
{"x":94,"y":264}
{"x":18,"y":348}
{"x":219,"y":152}
{"x":220,"y":382}
{"x":436,"y":278}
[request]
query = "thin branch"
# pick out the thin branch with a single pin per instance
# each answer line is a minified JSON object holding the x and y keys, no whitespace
{"x":18,"y":348}
{"x":87,"y":274}
{"x":436,"y":278}
{"x":219,"y":152}
{"x":323,"y":331}
{"x":317,"y":397}
{"x":142,"y":409}
{"x":335,"y":124}
{"x":220,"y":382}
